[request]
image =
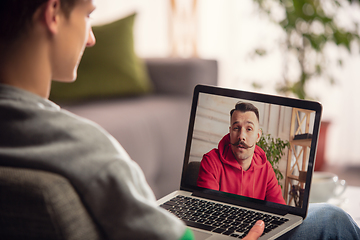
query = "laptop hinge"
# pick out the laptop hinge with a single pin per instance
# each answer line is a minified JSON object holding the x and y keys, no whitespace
{"x":246,"y":202}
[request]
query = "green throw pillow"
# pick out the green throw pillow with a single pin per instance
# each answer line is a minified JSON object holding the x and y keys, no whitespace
{"x":108,"y":69}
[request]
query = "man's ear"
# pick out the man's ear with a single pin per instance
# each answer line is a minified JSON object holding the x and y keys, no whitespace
{"x":259,"y":135}
{"x":52,"y":13}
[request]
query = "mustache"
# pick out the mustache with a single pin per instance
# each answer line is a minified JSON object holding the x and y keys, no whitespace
{"x":243,"y":144}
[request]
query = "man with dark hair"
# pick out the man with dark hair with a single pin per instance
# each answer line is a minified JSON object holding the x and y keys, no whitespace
{"x":41,"y":41}
{"x":245,"y":107}
{"x":239,"y":166}
{"x":17,"y":21}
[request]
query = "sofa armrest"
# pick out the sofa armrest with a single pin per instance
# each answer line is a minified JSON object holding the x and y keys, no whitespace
{"x":180,"y":75}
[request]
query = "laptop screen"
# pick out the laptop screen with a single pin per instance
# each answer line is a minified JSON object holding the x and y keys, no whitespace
{"x":262,"y":153}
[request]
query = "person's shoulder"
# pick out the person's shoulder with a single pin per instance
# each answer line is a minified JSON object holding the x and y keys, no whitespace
{"x":213,"y":154}
{"x":211,"y":158}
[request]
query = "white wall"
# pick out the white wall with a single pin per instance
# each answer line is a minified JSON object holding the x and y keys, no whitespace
{"x":150,"y":30}
{"x":228,"y":31}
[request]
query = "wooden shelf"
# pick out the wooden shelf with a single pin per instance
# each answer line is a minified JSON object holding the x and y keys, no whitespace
{"x":293,"y":177}
{"x":301,"y":142}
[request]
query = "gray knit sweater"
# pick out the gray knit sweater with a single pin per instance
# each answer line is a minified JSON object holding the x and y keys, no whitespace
{"x":36,"y":133}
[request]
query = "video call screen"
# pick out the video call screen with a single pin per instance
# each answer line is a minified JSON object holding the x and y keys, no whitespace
{"x":287,"y":128}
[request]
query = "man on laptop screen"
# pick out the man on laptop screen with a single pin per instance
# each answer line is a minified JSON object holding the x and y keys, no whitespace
{"x":238,"y":165}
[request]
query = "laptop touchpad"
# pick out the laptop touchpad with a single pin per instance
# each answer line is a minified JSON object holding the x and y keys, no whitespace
{"x":200,"y":235}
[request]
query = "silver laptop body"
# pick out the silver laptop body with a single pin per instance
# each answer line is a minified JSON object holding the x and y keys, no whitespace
{"x":291,"y":120}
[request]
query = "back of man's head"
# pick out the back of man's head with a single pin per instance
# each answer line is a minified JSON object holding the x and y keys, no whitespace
{"x":245,"y":107}
{"x":16,"y":16}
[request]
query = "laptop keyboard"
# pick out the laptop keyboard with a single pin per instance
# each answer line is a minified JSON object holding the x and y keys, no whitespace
{"x":220,"y":218}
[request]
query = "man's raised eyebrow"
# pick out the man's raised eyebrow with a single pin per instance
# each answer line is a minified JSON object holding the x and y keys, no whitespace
{"x":236,"y":122}
{"x":248,"y":122}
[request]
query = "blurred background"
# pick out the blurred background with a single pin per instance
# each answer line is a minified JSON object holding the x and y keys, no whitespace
{"x":303,"y":49}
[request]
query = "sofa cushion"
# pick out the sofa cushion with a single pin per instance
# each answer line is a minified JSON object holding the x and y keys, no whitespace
{"x":110,"y":68}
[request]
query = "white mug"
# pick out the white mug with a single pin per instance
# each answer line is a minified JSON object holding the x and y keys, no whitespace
{"x":326,"y":185}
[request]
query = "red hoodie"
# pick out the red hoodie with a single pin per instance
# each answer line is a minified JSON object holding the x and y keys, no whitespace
{"x":219,"y":170}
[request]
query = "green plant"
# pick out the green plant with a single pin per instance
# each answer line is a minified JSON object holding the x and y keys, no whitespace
{"x":274,"y":150}
{"x":309,"y":27}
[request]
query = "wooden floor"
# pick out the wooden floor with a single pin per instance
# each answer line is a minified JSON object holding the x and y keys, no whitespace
{"x":349,"y":173}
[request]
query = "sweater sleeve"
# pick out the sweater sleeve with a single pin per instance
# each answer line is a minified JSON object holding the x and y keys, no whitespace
{"x":124,"y":206}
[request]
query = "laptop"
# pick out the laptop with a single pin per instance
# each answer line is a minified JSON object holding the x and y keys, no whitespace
{"x":291,"y":124}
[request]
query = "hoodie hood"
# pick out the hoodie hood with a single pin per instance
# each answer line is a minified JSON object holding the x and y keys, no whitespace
{"x":220,"y":171}
{"x":227,"y":156}
{"x":247,"y":177}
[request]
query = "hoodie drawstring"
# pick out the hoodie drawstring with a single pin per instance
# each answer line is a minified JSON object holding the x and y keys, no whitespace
{"x":253,"y":193}
{"x":242,"y":182}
